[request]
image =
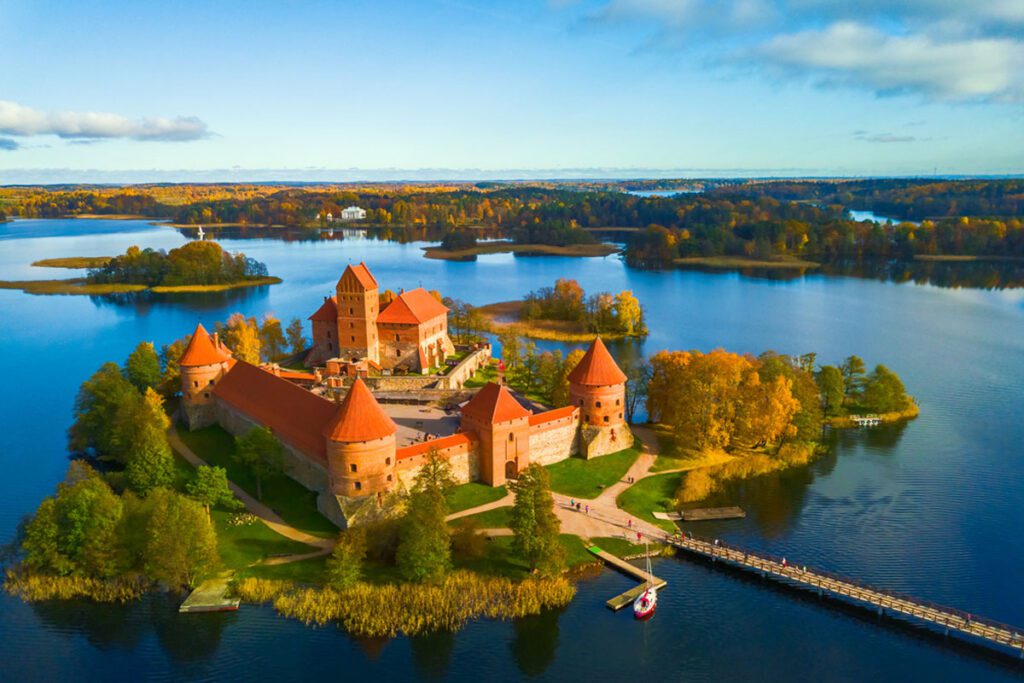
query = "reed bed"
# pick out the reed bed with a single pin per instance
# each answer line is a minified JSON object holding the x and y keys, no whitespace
{"x":367,"y":610}
{"x":32,"y":587}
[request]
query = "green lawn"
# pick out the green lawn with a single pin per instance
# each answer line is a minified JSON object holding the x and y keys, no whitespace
{"x":587,"y":478}
{"x":497,"y":518}
{"x":244,"y":544}
{"x":652,"y":494}
{"x":501,"y":560}
{"x":292,"y":501}
{"x":305,"y":571}
{"x":619,"y":547}
{"x":488,"y":373}
{"x":473,"y":494}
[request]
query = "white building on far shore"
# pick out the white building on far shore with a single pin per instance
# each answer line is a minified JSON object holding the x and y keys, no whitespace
{"x":353,"y":213}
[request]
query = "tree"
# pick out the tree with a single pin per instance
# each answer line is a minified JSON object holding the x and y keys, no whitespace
{"x":424,"y":548}
{"x":511,"y":352}
{"x":150,"y":466}
{"x":345,"y":566}
{"x":170,"y":355}
{"x":638,"y":374}
{"x":272,"y":340}
{"x":210,"y":487}
{"x":140,"y":424}
{"x":832,"y":389}
{"x":143,"y":367}
{"x":765,"y":410}
{"x":98,"y":401}
{"x":534,"y":524}
{"x":435,"y":475}
{"x":560,"y":391}
{"x":242,"y":335}
{"x":629,"y":314}
{"x":260,"y":451}
{"x":182,"y":545}
{"x":296,"y":337}
{"x":808,"y":419}
{"x":884,"y":392}
{"x":853,"y":377}
{"x":468,"y":540}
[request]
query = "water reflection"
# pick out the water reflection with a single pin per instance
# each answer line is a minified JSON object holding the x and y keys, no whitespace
{"x":536,"y":641}
{"x":432,"y":653}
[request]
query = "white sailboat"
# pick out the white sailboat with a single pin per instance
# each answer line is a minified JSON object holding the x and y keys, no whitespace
{"x":200,"y":234}
{"x":646,"y":602}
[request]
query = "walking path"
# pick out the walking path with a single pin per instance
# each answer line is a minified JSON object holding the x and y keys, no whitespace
{"x":507,"y":501}
{"x":265,"y":514}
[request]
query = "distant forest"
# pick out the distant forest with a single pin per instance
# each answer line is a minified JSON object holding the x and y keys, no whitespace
{"x":756,"y":219}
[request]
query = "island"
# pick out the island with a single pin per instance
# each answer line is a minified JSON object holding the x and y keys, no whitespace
{"x":248,"y":464}
{"x":200,"y":266}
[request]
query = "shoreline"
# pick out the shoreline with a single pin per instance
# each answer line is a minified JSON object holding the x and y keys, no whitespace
{"x":79,"y":286}
{"x":585,"y":250}
{"x":741,"y":262}
{"x":551,"y":330}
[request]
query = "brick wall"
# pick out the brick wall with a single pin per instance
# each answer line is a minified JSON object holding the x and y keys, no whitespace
{"x":553,"y":436}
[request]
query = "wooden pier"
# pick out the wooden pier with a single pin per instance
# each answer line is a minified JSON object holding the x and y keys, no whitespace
{"x":210,"y":596}
{"x":627,"y":598}
{"x":712,"y":514}
{"x":866,"y":420}
{"x":883,"y":602}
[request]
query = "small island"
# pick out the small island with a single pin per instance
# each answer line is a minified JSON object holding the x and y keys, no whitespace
{"x":194,"y":267}
{"x":546,"y":239}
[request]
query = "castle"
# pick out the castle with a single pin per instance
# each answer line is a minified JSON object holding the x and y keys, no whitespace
{"x":348,"y":452}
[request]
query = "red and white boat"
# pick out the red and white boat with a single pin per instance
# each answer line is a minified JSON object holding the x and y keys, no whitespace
{"x":646,"y":602}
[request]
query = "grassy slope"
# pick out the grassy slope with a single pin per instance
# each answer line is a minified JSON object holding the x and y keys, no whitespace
{"x":497,"y":518}
{"x":292,"y":501}
{"x":473,"y":494}
{"x":652,"y":494}
{"x":619,"y":547}
{"x":501,"y":560}
{"x":587,"y":478}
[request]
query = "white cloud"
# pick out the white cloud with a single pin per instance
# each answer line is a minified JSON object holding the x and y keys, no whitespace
{"x":885,"y":137}
{"x":17,"y":119}
{"x":952,"y":69}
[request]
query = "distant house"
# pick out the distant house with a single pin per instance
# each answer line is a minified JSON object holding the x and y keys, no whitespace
{"x":353,"y":213}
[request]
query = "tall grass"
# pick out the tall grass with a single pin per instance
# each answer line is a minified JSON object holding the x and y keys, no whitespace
{"x":33,"y":587}
{"x":388,"y":610}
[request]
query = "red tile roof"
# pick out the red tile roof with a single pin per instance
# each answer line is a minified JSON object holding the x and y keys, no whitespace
{"x":359,"y":418}
{"x":298,"y":376}
{"x":412,"y":307}
{"x":494,"y":404}
{"x":328,"y":312}
{"x":552,"y":415}
{"x":440,"y":444}
{"x":597,"y":368}
{"x":296,"y":416}
{"x":362,"y":274}
{"x":203,"y":350}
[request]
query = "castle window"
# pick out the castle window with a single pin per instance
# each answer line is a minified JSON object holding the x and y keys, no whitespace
{"x":605,"y":418}
{"x":598,"y":404}
{"x":397,"y":338}
{"x":359,"y":486}
{"x":195,"y":383}
{"x":353,"y":337}
{"x":617,"y":401}
{"x":581,"y":401}
{"x":387,"y":461}
{"x":511,"y":438}
{"x":389,"y":477}
{"x":351,"y":311}
{"x":206,"y":395}
{"x":620,"y":416}
{"x":353,"y":467}
{"x":211,"y":382}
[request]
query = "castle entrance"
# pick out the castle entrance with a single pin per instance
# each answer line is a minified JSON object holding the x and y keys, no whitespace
{"x":511,"y":471}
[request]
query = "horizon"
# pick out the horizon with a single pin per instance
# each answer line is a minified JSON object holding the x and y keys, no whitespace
{"x":506,"y":91}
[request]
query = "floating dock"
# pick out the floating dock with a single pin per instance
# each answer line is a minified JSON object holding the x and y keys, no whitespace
{"x":210,"y":596}
{"x":710,"y":514}
{"x":627,"y":598}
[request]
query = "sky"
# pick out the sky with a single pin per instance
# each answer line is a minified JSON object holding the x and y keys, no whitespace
{"x":105,"y":91}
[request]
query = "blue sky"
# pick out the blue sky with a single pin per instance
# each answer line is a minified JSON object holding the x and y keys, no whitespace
{"x":341,"y":90}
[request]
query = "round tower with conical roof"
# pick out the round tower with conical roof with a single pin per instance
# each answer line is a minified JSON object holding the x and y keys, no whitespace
{"x":598,"y":388}
{"x":360,"y":446}
{"x":203,"y":363}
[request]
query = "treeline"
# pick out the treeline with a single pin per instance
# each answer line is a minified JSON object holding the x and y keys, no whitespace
{"x":195,"y":263}
{"x":601,"y":313}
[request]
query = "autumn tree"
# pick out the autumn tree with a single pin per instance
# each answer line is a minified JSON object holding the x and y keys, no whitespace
{"x":765,"y":410}
{"x":272,"y":340}
{"x":170,"y":357}
{"x":98,"y":401}
{"x":142,"y":368}
{"x":424,"y":548}
{"x":261,"y":452}
{"x":853,"y":378}
{"x":884,"y":392}
{"x":182,"y":544}
{"x":629,"y":314}
{"x":535,"y":526}
{"x":296,"y":336}
{"x":242,"y":336}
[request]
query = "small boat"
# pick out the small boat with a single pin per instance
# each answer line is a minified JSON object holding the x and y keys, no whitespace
{"x":646,"y":602}
{"x":201,"y":234}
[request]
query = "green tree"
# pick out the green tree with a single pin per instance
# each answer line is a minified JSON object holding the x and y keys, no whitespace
{"x":182,"y":545}
{"x":424,"y":547}
{"x":296,"y":336}
{"x":210,"y":487}
{"x":272,"y":339}
{"x":150,"y":466}
{"x":170,"y":356}
{"x":260,"y":451}
{"x":435,"y":475}
{"x":143,"y":367}
{"x":140,"y":424}
{"x":853,"y":378}
{"x":345,"y":566}
{"x":99,"y":399}
{"x":832,"y":389}
{"x":884,"y":392}
{"x":534,"y":523}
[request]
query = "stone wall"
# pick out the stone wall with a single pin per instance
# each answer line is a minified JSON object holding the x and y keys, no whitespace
{"x":457,"y":376}
{"x":598,"y":441}
{"x":297,"y":464}
{"x":553,"y":436}
{"x":460,"y":450}
{"x":400,"y":382}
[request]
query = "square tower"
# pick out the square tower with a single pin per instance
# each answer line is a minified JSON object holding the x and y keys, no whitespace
{"x":358,"y":303}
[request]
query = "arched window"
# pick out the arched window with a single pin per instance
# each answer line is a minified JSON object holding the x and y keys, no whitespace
{"x":359,"y":486}
{"x":598,"y":404}
{"x":511,"y":437}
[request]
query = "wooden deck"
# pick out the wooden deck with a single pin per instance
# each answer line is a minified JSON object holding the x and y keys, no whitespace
{"x":627,"y":598}
{"x":884,"y":602}
{"x":710,"y":514}
{"x":210,"y":596}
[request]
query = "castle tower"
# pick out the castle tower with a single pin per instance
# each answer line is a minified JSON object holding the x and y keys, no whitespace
{"x":358,"y":303}
{"x":203,"y":363}
{"x":598,"y":387}
{"x":360,"y":446}
{"x":503,"y":427}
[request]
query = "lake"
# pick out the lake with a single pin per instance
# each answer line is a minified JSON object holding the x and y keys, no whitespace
{"x":932,"y":508}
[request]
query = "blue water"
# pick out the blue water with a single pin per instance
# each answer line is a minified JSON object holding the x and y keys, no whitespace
{"x":932,"y":508}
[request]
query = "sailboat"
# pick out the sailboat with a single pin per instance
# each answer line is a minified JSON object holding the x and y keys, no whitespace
{"x":646,"y":602}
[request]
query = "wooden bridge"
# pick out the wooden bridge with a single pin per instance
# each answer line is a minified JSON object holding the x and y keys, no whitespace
{"x":627,"y":598}
{"x":826,"y":585}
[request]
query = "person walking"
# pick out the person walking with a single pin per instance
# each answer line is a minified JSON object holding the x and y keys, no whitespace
{"x":588,"y":508}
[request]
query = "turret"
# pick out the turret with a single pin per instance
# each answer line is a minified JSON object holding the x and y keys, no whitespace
{"x":598,"y":388}
{"x":358,"y":303}
{"x":503,"y":426}
{"x":360,"y":445}
{"x":203,"y":363}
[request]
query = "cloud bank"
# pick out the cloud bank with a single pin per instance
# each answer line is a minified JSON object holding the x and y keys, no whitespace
{"x":19,"y":120}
